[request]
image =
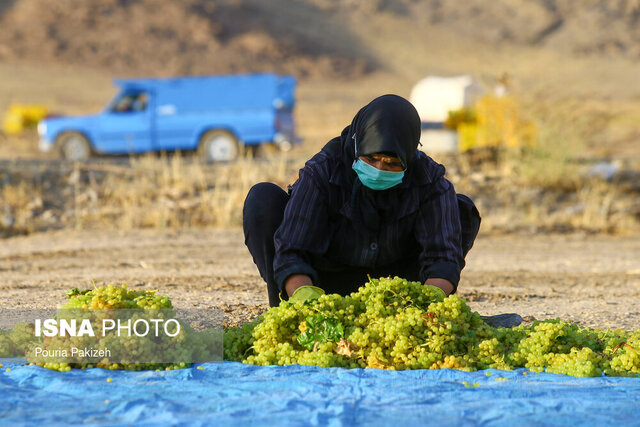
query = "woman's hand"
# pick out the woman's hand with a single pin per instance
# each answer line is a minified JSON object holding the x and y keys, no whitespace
{"x":444,"y":284}
{"x":300,"y":288}
{"x":295,"y":281}
{"x":306,"y":293}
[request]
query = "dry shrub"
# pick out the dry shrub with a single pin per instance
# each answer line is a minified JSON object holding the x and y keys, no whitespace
{"x":547,"y":185}
{"x":562,"y":136}
{"x":20,"y":203}
{"x":607,"y":206}
{"x":174,"y":192}
{"x":557,"y":164}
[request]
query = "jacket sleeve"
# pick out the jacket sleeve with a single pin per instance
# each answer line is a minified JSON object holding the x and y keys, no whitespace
{"x":303,"y":231}
{"x":438,"y":232}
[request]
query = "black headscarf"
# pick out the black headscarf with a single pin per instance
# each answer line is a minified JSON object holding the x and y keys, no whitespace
{"x":387,"y":124}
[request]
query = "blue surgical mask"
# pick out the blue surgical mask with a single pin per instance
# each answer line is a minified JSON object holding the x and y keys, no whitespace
{"x":374,"y":178}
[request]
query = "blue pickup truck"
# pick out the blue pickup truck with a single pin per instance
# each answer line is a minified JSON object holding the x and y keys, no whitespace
{"x":213,"y":115}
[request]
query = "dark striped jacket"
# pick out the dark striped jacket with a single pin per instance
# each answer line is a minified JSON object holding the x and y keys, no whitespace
{"x":318,"y":231}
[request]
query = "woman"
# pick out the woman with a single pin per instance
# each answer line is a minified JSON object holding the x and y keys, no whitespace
{"x":369,"y":203}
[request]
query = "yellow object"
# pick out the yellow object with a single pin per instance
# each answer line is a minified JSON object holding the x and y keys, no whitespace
{"x":20,"y":117}
{"x":109,"y":380}
{"x":456,"y":118}
{"x":499,"y":121}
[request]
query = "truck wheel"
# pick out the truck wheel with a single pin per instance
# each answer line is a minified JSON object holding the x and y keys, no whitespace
{"x":73,"y":146}
{"x":218,"y":146}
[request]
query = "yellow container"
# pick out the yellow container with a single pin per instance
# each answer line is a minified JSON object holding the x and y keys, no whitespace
{"x":20,"y":117}
{"x":499,"y":122}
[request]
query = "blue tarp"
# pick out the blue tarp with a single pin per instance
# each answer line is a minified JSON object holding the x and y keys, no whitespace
{"x":229,"y":393}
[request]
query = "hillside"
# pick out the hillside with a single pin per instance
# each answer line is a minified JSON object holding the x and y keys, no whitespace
{"x":159,"y":37}
{"x":309,"y":38}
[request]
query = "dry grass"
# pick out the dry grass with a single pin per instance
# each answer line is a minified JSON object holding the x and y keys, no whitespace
{"x":607,"y":206}
{"x":170,"y":192}
{"x":164,"y":192}
{"x":178,"y":192}
{"x":552,"y":163}
{"x":20,"y":203}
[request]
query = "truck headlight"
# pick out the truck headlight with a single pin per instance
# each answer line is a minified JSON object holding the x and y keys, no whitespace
{"x":42,"y":128}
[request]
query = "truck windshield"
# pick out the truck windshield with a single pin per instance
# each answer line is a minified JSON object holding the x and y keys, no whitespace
{"x":130,"y":102}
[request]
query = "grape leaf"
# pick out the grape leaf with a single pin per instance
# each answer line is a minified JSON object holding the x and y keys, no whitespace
{"x":320,"y":329}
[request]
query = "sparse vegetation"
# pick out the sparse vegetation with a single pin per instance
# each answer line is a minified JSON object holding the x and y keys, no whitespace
{"x":149,"y":191}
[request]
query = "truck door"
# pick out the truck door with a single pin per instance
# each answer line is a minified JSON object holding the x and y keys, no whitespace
{"x":126,"y":125}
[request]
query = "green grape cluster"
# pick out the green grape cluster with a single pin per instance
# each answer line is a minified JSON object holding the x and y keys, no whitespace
{"x":17,"y":341}
{"x":392,"y":323}
{"x":124,"y":304}
{"x":119,"y":297}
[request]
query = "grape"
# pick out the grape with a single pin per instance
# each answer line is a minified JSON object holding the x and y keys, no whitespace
{"x":186,"y":346}
{"x":17,"y":341}
{"x":392,"y":323}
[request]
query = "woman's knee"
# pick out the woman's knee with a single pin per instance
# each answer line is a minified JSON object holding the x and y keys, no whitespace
{"x":264,"y":204}
{"x":469,"y":222}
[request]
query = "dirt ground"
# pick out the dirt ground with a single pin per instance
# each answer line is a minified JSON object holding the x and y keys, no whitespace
{"x":593,"y":280}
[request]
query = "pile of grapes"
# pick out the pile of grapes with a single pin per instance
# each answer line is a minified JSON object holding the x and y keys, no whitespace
{"x":17,"y":341}
{"x":114,"y":302}
{"x":391,"y":323}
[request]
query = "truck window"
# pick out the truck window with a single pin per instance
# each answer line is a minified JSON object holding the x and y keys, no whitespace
{"x":130,"y":102}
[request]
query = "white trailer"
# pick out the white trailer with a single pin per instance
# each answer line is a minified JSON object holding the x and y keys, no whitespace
{"x":434,"y":97}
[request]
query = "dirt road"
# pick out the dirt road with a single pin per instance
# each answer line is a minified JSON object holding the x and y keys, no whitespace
{"x":591,"y":280}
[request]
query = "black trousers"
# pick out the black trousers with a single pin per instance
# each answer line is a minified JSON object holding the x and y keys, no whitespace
{"x":263,"y":212}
